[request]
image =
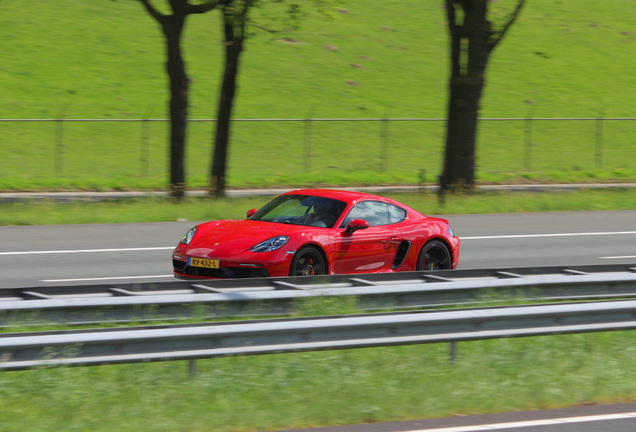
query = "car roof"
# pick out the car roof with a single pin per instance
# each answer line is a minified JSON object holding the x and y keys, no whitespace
{"x":353,"y":197}
{"x":342,"y":195}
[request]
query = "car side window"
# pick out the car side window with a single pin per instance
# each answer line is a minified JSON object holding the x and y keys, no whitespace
{"x":396,"y":214}
{"x":376,"y":213}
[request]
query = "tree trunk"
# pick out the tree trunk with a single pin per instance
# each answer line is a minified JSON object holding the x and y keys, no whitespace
{"x":469,"y":56}
{"x":172,"y":28}
{"x":179,"y":84}
{"x":459,"y":162}
{"x":233,"y":48}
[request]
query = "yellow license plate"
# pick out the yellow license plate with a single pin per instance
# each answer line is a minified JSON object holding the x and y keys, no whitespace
{"x":203,"y":262}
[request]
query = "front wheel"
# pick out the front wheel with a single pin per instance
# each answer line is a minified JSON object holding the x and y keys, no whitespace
{"x":308,"y":261}
{"x":434,"y":256}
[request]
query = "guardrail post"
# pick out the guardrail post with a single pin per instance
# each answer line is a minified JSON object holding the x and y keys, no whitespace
{"x":453,"y":351}
{"x":193,"y":369}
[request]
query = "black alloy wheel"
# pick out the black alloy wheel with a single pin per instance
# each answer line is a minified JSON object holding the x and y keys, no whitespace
{"x":434,"y":256}
{"x":308,"y":261}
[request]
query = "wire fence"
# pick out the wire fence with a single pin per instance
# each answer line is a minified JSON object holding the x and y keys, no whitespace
{"x":62,"y":147}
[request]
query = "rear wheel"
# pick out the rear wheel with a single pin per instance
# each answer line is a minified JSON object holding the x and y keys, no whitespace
{"x":308,"y":261}
{"x":434,"y":256}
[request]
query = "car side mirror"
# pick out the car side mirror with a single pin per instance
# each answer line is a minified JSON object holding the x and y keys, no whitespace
{"x":355,"y":225}
{"x":250,"y":213}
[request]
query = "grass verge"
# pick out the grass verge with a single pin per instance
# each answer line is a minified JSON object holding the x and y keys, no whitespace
{"x":45,"y":212}
{"x":302,"y":390}
{"x":373,"y":60}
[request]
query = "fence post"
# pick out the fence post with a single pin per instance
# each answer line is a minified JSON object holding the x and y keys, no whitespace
{"x":422,"y":180}
{"x":527,"y":154}
{"x":307,"y":140}
{"x":384,"y":145}
{"x":59,"y":141}
{"x":145,"y":136}
{"x":599,"y":139}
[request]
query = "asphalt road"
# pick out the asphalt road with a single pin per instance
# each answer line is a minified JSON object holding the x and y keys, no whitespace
{"x":89,"y":254}
{"x":81,"y":254}
{"x":601,"y":418}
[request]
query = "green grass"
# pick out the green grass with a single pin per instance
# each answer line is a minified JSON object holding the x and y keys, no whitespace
{"x":197,"y":209}
{"x":321,"y":389}
{"x":105,"y":61}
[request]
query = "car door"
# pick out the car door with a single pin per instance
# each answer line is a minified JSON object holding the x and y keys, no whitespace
{"x":372,"y":249}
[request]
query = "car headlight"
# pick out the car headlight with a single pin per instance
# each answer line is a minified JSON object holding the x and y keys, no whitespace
{"x":189,"y":235}
{"x":450,"y":231}
{"x":271,"y":244}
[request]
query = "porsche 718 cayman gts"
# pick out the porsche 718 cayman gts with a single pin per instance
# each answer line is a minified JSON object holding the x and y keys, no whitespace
{"x":314,"y":232}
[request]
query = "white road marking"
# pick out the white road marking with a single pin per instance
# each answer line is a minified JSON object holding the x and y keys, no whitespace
{"x":530,"y":423}
{"x":106,"y":278}
{"x":140,"y":249}
{"x":619,"y":257}
{"x":517,"y":236}
{"x":143,"y":249}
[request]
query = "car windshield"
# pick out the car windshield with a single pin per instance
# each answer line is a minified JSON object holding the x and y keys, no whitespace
{"x":301,"y":210}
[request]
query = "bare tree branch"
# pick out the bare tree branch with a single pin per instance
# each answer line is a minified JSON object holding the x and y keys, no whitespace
{"x":152,"y":10}
{"x":455,"y":39}
{"x":499,"y":35}
{"x":207,"y":6}
{"x":184,"y":6}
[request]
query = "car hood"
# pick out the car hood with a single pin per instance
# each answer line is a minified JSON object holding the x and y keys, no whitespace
{"x":236,"y":236}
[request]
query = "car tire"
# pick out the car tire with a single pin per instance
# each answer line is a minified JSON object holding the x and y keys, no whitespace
{"x":434,"y":256}
{"x":308,"y":261}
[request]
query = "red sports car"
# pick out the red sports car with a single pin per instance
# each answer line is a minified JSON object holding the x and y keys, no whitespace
{"x":318,"y":231}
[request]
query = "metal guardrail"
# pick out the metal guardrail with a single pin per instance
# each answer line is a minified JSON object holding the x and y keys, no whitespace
{"x":206,"y":299}
{"x":190,"y":342}
{"x":237,"y":193}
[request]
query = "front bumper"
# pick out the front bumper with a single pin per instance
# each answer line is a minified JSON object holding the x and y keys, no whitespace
{"x":183,"y":270}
